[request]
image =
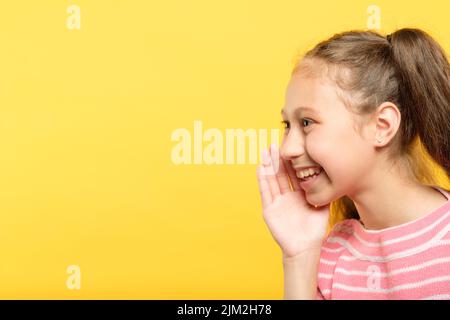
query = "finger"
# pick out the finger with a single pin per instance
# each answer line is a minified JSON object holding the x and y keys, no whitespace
{"x":270,"y":174}
{"x":281,"y":173}
{"x":264,"y":190}
{"x":292,"y":176}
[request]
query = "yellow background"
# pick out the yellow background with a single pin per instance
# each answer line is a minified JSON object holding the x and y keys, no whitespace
{"x":86,"y":117}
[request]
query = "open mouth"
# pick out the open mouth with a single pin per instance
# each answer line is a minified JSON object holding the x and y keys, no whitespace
{"x":306,"y":182}
{"x":312,"y":176}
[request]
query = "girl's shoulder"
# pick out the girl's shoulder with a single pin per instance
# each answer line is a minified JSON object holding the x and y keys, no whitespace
{"x":344,"y":228}
{"x":341,"y":233}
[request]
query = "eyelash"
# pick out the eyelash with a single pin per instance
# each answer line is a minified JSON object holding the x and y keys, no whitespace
{"x":287,"y":122}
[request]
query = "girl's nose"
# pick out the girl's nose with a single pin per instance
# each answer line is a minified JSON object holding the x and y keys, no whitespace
{"x":292,"y":146}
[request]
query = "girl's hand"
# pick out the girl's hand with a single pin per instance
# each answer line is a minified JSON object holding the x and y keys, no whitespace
{"x":295,"y":224}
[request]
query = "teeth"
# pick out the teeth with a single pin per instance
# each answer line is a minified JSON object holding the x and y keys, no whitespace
{"x":307,"y":172}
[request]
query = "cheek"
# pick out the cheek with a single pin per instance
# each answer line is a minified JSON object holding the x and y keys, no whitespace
{"x":319,"y":147}
{"x":342,"y":154}
{"x":321,"y":151}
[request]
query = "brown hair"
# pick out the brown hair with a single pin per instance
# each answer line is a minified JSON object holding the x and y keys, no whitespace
{"x":408,"y":68}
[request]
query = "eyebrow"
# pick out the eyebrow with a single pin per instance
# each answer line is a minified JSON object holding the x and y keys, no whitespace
{"x":301,"y":108}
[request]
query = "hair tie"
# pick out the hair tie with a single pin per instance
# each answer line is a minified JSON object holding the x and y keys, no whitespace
{"x":388,"y":37}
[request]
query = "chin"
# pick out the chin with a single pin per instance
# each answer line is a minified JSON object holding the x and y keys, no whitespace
{"x":313,"y":198}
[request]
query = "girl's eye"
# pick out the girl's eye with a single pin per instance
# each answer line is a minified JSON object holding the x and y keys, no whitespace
{"x":285,"y":124}
{"x":304,"y":119}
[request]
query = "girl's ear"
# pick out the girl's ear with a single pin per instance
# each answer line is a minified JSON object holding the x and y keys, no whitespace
{"x":387,"y":120}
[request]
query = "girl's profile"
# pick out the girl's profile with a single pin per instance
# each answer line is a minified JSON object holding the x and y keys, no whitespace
{"x":346,"y":195}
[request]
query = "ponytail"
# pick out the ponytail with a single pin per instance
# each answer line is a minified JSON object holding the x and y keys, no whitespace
{"x":423,"y":72}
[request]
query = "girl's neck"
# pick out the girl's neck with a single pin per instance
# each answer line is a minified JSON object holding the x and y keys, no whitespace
{"x":388,"y":201}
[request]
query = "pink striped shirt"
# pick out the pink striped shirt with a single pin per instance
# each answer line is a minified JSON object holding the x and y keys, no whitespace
{"x":409,"y":261}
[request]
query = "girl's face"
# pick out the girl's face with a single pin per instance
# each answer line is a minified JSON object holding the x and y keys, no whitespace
{"x":320,"y":131}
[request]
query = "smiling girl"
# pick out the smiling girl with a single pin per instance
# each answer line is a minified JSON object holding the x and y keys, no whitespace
{"x":355,"y":106}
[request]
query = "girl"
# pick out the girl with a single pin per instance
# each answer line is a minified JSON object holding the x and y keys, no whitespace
{"x":355,"y":107}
